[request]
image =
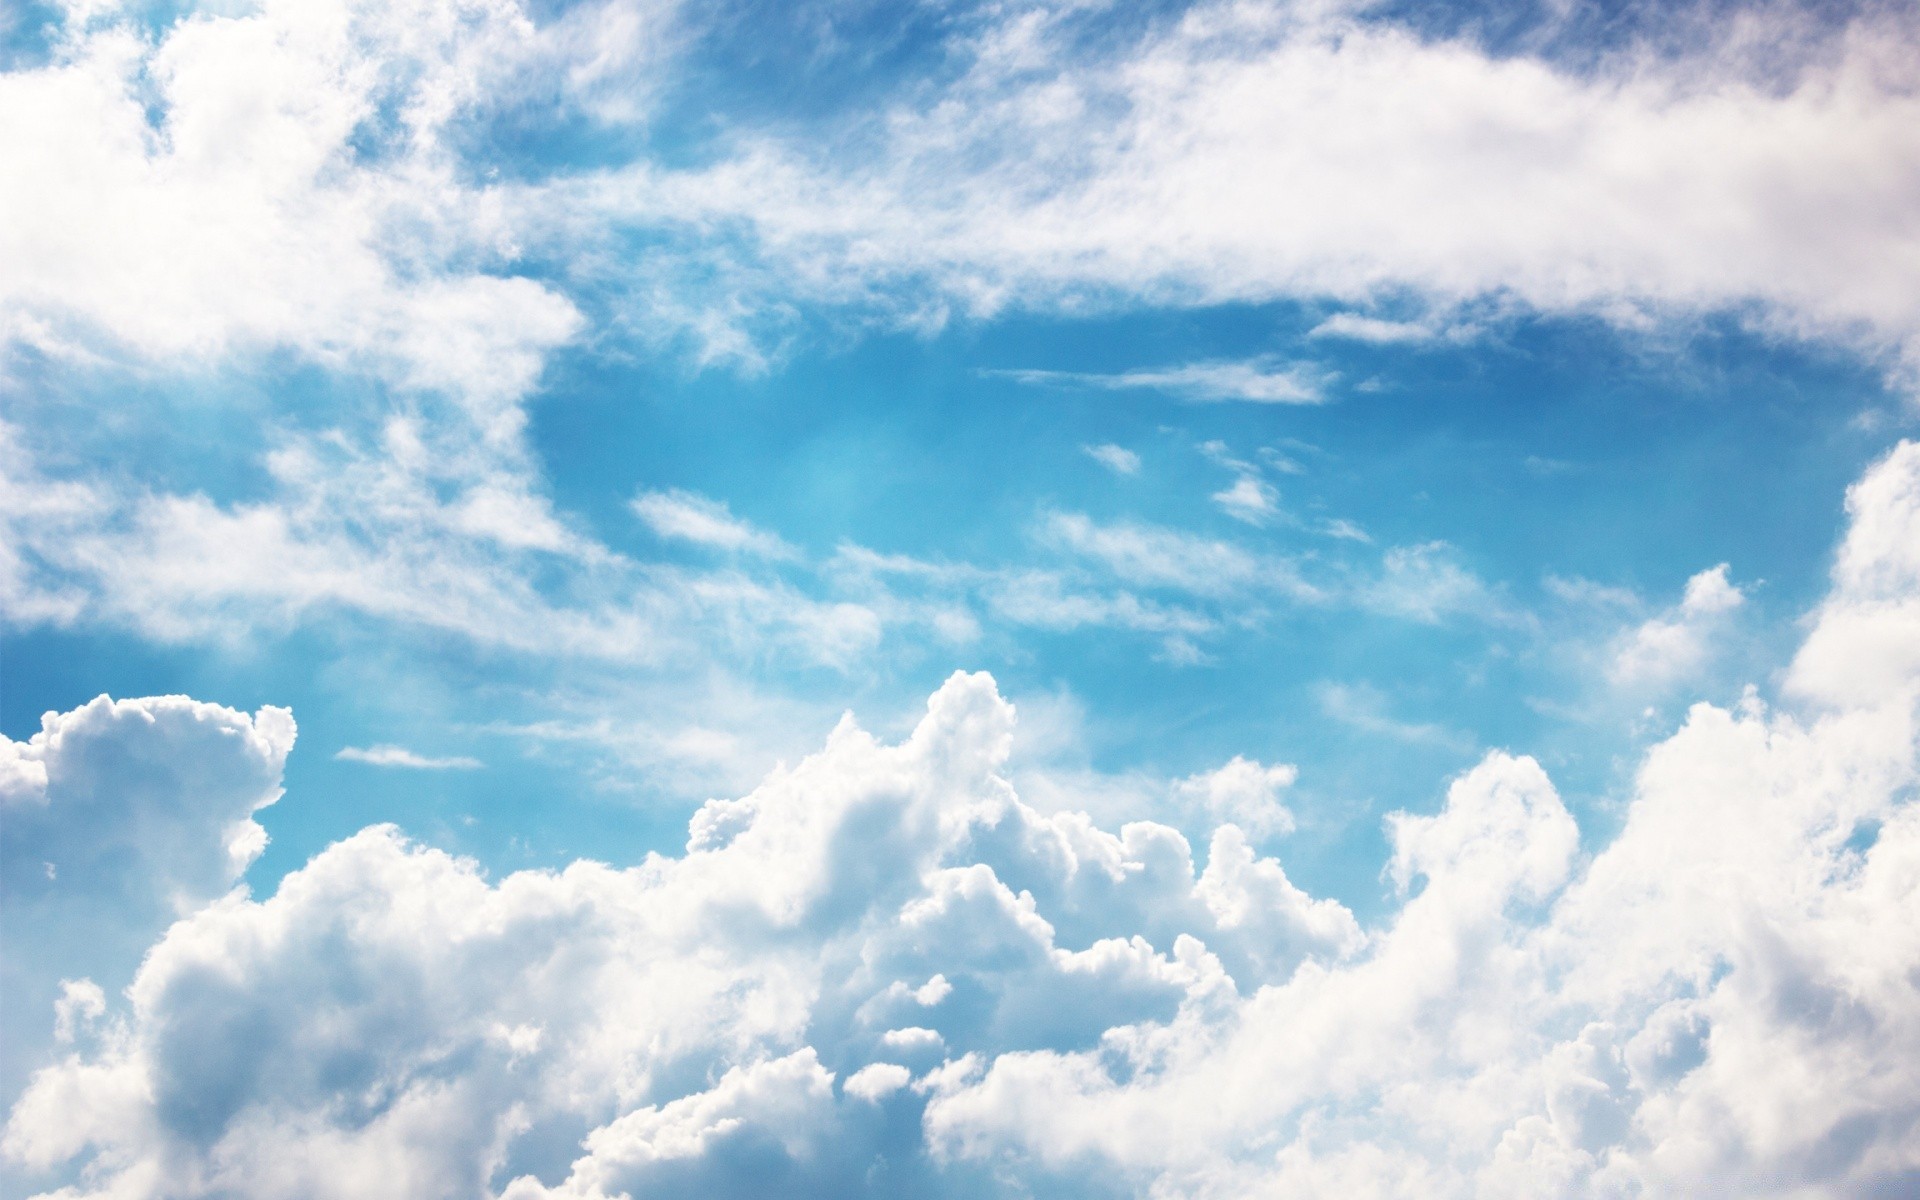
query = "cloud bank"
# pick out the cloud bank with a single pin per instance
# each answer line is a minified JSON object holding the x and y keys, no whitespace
{"x":881,"y":973}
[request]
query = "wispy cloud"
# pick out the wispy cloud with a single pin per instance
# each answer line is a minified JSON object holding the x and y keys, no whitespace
{"x":1150,"y":556}
{"x":1364,"y":707}
{"x":1118,"y":459}
{"x":398,"y":756}
{"x":690,"y":517}
{"x":1379,"y":331}
{"x":1253,"y":380}
{"x":1428,"y":583}
{"x":1354,"y":327}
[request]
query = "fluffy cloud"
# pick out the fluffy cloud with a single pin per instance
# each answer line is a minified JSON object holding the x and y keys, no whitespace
{"x":119,"y":817}
{"x":1866,"y":637}
{"x":1674,"y":645}
{"x":268,"y":179}
{"x":390,"y":1008}
{"x":1242,"y":793}
{"x":881,"y":972}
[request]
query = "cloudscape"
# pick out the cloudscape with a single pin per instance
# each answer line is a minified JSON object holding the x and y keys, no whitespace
{"x":919,"y":598}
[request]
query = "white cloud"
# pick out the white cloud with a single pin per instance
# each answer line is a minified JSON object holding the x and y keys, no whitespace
{"x":1866,"y":636}
{"x":1118,"y":459}
{"x":1257,"y":380}
{"x":693,"y":518}
{"x":1252,"y":152}
{"x":673,"y":999}
{"x":1428,"y":583}
{"x":424,"y":527}
{"x":120,"y":816}
{"x":876,"y":1081}
{"x":1359,"y":328}
{"x":1242,"y":793}
{"x":229,"y":187}
{"x":1249,"y":499}
{"x":1675,"y":645}
{"x":1154,"y":557}
{"x":398,"y":756}
{"x":1719,"y":997}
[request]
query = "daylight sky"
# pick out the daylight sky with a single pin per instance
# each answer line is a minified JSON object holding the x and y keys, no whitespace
{"x":942,"y":599}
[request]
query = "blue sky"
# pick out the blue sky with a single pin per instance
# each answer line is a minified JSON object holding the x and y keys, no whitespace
{"x":1359,"y":433}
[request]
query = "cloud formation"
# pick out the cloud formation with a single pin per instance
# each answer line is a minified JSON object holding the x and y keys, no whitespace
{"x":1257,"y":152}
{"x":882,"y":973}
{"x":1257,"y":381}
{"x":118,"y":818}
{"x":400,"y":756}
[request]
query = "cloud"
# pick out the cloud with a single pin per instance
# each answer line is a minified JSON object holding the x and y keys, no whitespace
{"x":869,"y":889}
{"x":880,"y":972}
{"x":1427,"y":583}
{"x":1242,"y":793}
{"x":1155,"y":557}
{"x":685,"y":516}
{"x":1675,"y":645}
{"x":184,"y":183}
{"x":396,"y":756}
{"x":1118,"y":459}
{"x":229,"y":187}
{"x":1865,"y":642}
{"x":1249,"y":499}
{"x":1256,"y":380}
{"x":1358,"y":328}
{"x":421,"y":525}
{"x":1248,"y":153}
{"x":1363,"y":707}
{"x":120,"y":816}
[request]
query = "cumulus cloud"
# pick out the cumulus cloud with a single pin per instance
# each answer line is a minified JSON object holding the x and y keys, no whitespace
{"x":119,"y":817}
{"x":1866,"y":636}
{"x":881,"y":972}
{"x":1242,"y":793}
{"x":1676,"y":644}
{"x":864,"y":908}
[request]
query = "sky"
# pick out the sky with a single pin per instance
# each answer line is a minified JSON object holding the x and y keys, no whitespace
{"x":959,"y":599}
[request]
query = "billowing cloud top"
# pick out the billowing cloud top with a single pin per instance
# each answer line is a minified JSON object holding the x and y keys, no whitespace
{"x":881,"y":973}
